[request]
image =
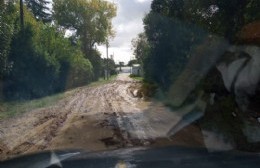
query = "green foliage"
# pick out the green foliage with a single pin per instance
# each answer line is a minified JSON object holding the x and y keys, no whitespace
{"x":174,"y":27}
{"x":37,"y":59}
{"x":221,"y":17}
{"x":103,"y":81}
{"x":40,"y":9}
{"x":91,"y":19}
{"x":30,"y":76}
{"x":95,"y":59}
{"x":136,"y":77}
{"x":140,"y":47}
{"x":63,"y":56}
{"x":92,"y":22}
{"x":110,"y":64}
{"x":170,"y":42}
{"x":14,"y":108}
{"x":132,"y":62}
{"x":149,"y":89}
{"x":6,"y":34}
{"x":43,"y":62}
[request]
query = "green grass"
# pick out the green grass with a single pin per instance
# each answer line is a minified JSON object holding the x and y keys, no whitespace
{"x":11,"y":109}
{"x":103,"y":81}
{"x":138,"y":78}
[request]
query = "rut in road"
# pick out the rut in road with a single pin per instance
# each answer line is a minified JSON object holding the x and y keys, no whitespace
{"x":89,"y":118}
{"x":131,"y":119}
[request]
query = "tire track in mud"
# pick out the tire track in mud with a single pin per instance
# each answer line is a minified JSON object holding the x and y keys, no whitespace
{"x":127,"y":118}
{"x":90,"y":118}
{"x":43,"y":130}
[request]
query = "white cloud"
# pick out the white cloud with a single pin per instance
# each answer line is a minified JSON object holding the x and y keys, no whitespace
{"x":142,"y":1}
{"x":127,"y":25}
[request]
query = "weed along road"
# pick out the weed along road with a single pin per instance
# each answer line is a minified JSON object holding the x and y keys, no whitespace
{"x":94,"y":118}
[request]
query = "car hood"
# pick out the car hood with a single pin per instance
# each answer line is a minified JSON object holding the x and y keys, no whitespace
{"x":136,"y":157}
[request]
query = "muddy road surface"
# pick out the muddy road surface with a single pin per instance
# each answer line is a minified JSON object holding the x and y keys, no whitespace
{"x":95,"y":118}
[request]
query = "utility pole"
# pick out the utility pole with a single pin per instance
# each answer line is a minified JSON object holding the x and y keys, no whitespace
{"x":107,"y":61}
{"x":131,"y":66}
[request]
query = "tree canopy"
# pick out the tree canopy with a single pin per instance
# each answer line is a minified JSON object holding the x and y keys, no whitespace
{"x":140,"y":47}
{"x":221,"y":17}
{"x":92,"y":20}
{"x":6,"y":32}
{"x":92,"y":23}
{"x":174,"y":27}
{"x":40,"y":9}
{"x":38,"y":59}
{"x":179,"y":42}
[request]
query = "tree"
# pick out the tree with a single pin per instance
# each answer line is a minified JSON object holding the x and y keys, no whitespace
{"x":91,"y":19}
{"x":6,"y":33}
{"x":140,"y":47}
{"x":42,"y":61}
{"x":5,"y":39}
{"x":111,"y":65}
{"x":174,"y":27}
{"x":186,"y":39}
{"x":225,"y":18}
{"x":21,"y":14}
{"x":92,"y":22}
{"x":169,"y":44}
{"x":132,"y":62}
{"x":40,"y":9}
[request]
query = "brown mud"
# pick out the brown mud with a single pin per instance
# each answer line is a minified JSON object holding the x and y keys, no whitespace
{"x":96,"y":118}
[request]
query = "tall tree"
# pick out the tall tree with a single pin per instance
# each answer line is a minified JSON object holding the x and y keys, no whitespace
{"x":6,"y":33}
{"x":3,"y":38}
{"x":92,"y":22}
{"x":43,"y":61}
{"x":221,"y":17}
{"x":140,"y":47}
{"x":173,"y":27}
{"x":40,"y":9}
{"x":21,"y":14}
{"x":91,"y":19}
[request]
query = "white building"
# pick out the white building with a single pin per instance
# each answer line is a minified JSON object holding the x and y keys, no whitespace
{"x":136,"y":69}
{"x":124,"y":69}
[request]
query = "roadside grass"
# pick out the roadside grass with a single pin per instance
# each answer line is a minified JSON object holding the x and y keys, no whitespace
{"x":102,"y":81}
{"x":138,"y":78}
{"x":11,"y":109}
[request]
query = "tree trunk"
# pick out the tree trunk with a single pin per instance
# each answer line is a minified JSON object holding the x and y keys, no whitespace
{"x":2,"y":3}
{"x":21,"y":14}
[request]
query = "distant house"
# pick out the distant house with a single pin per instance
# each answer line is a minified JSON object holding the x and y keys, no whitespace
{"x":136,"y":69}
{"x":125,"y":69}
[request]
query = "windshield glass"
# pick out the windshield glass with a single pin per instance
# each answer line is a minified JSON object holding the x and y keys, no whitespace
{"x":99,"y":75}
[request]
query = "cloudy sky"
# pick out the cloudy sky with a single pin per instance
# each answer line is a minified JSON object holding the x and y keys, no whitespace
{"x":127,"y":25}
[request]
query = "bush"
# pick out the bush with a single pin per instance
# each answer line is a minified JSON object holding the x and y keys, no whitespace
{"x":148,"y":89}
{"x":44,"y":62}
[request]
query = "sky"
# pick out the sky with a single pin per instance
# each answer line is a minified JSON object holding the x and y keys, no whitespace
{"x":127,"y":25}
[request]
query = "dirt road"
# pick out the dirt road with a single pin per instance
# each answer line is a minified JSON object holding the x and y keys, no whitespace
{"x":95,"y":118}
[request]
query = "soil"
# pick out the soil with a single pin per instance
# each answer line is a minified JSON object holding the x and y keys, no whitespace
{"x":95,"y":118}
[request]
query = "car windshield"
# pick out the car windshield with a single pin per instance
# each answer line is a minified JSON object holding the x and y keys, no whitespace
{"x":100,"y":75}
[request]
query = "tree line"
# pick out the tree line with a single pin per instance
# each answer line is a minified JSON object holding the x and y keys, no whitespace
{"x":174,"y":27}
{"x":175,"y":45}
{"x":38,"y":57}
